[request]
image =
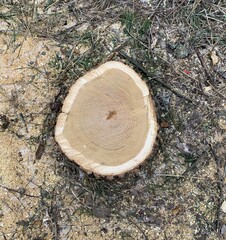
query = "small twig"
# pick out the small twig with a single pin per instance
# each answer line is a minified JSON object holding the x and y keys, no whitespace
{"x":136,"y":225}
{"x":21,"y":192}
{"x":203,"y":120}
{"x":175,"y":9}
{"x":136,"y":38}
{"x":116,"y":50}
{"x":219,"y":185}
{"x":33,"y":10}
{"x":178,"y":176}
{"x":139,"y":66}
{"x":139,"y":228}
{"x":49,"y":123}
{"x":220,"y":237}
{"x":155,"y":10}
{"x":218,"y":92}
{"x":54,"y":212}
{"x":203,"y":63}
{"x":21,"y":45}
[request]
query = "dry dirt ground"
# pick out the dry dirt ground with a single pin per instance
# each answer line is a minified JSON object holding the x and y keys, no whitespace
{"x":180,"y":192}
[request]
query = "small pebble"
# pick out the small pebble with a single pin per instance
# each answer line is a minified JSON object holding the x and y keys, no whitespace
{"x":223,"y":230}
{"x":223,"y":206}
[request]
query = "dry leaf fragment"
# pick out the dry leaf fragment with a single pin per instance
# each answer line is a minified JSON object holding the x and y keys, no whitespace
{"x":154,"y":43}
{"x":222,"y":124}
{"x":176,"y":210}
{"x":207,"y":90}
{"x":164,"y":124}
{"x":214,"y":58}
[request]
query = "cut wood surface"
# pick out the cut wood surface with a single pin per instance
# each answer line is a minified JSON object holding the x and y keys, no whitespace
{"x":108,"y":124}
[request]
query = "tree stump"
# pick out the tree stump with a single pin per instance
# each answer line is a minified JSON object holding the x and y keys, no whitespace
{"x":108,"y":123}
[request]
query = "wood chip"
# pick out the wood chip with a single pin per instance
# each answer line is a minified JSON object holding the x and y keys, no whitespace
{"x":214,"y":58}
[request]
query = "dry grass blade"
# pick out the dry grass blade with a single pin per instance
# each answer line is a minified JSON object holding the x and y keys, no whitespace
{"x":138,"y":65}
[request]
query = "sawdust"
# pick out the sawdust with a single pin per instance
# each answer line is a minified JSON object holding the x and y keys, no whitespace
{"x":21,"y":178}
{"x":21,"y":57}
